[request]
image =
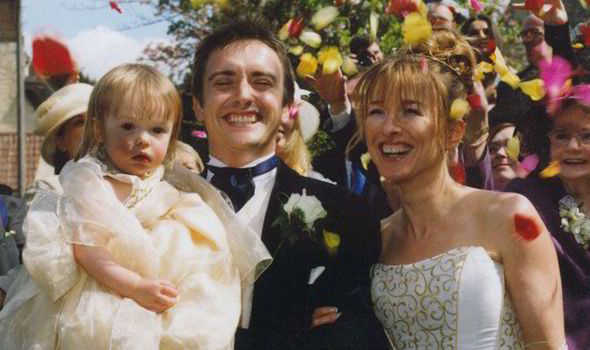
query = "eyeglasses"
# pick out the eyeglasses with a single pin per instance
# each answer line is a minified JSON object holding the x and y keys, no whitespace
{"x":532,"y":32}
{"x":563,"y":138}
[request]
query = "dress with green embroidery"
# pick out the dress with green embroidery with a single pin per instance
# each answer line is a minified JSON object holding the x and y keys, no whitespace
{"x":454,"y":300}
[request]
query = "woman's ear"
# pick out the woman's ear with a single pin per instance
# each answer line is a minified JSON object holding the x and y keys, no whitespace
{"x":456,"y":134}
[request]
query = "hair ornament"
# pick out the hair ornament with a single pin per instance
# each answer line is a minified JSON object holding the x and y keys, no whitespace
{"x":457,"y":64}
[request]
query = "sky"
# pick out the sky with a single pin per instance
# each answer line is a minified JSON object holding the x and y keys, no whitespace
{"x":97,"y":37}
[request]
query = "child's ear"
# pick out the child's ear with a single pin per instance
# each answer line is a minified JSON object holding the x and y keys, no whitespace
{"x":198,"y":110}
{"x":286,"y":112}
{"x":456,"y":134}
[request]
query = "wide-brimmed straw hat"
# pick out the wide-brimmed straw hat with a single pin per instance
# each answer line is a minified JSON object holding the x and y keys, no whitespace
{"x":309,"y":116}
{"x":64,"y":104}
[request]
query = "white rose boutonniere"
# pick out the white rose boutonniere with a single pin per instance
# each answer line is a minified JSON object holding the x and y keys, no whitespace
{"x":9,"y":233}
{"x":573,"y":220}
{"x":303,"y":214}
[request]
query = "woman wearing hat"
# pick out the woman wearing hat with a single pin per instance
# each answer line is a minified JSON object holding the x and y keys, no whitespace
{"x":60,"y":120}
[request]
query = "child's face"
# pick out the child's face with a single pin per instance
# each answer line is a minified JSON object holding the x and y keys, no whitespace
{"x":136,"y":146}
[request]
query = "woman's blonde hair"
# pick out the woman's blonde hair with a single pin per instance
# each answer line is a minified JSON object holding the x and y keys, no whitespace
{"x":434,"y":72}
{"x":295,"y":152}
{"x":132,"y":91}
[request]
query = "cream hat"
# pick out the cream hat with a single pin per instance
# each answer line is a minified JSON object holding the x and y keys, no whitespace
{"x":309,"y":117}
{"x":61,"y":106}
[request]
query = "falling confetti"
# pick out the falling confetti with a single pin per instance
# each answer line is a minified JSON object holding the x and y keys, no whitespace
{"x":513,"y":148}
{"x":114,"y":6}
{"x":525,"y":227}
{"x":551,"y":170}
{"x":533,"y":88}
{"x":459,"y":108}
{"x":324,"y":17}
{"x":51,"y":57}
{"x":308,"y":65}
{"x":416,"y":28}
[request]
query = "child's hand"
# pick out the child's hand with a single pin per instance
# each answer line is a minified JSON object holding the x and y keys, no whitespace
{"x":324,"y":315}
{"x":155,"y":295}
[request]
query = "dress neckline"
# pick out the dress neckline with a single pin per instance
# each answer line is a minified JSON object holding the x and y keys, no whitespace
{"x":451,"y":251}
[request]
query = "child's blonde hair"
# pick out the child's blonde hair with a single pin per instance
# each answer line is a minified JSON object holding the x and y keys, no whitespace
{"x":295,"y":152}
{"x":138,"y":88}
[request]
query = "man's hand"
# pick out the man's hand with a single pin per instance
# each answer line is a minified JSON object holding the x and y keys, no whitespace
{"x":331,"y":88}
{"x":552,"y":13}
{"x":324,"y":315}
{"x":155,"y":295}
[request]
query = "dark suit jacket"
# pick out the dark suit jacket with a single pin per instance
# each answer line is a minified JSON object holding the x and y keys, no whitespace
{"x":283,"y":301}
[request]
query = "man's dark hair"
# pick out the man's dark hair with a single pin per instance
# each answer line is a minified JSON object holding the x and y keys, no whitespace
{"x":238,"y":31}
{"x":359,"y":44}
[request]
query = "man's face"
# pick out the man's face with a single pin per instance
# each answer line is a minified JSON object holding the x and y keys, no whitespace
{"x":242,"y":102}
{"x":441,"y":17}
{"x":374,"y":53}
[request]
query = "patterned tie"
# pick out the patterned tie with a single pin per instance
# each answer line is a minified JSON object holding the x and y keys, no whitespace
{"x":237,"y":182}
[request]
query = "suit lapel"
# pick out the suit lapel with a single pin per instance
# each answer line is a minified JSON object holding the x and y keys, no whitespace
{"x":286,"y":183}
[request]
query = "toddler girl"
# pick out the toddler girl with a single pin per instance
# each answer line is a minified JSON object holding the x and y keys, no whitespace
{"x":123,"y":259}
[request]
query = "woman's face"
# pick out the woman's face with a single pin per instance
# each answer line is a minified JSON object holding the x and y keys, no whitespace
{"x":570,"y":143}
{"x":481,"y":33}
{"x":401,"y":138}
{"x":70,"y":135}
{"x":504,"y":168}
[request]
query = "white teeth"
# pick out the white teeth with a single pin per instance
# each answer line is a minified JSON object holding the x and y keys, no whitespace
{"x":395,"y":149}
{"x":239,"y":118}
{"x":574,"y":161}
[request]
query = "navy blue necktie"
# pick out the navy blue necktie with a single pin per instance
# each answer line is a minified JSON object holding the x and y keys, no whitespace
{"x":237,"y":182}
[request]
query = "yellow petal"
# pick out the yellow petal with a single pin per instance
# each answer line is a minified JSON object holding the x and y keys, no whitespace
{"x":422,"y":8}
{"x":513,"y":148}
{"x":307,"y":65}
{"x":459,"y":109}
{"x":499,"y":62}
{"x":533,"y":88}
{"x":578,"y":46}
{"x":511,"y":79}
{"x":349,"y":66}
{"x":373,"y":24}
{"x":584,"y":4}
{"x":485,"y":67}
{"x":365,"y":159}
{"x":331,"y":240}
{"x":330,"y":52}
{"x":551,"y":170}
{"x":416,"y":28}
{"x":330,"y":66}
{"x":296,"y":50}
{"x":198,"y":3}
{"x":222,"y":3}
{"x":324,"y":17}
{"x":284,"y":32}
{"x":310,"y":38}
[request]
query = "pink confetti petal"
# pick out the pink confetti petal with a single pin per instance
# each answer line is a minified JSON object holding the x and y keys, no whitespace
{"x":530,"y":162}
{"x":476,"y":5}
{"x":200,"y":134}
{"x":554,"y":74}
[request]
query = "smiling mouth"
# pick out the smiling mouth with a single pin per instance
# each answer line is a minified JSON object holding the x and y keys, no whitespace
{"x":242,"y":118}
{"x":142,"y":158}
{"x":574,"y":162}
{"x":395,"y":151}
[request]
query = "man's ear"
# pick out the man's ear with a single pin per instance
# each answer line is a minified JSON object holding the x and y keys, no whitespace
{"x":456,"y":134}
{"x":198,"y":110}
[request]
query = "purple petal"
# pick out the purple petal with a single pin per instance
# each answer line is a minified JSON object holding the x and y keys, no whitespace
{"x":529,"y":163}
{"x":554,"y":74}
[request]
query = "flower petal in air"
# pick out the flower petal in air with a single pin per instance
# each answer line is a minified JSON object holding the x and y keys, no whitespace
{"x":534,"y":5}
{"x":284,"y":31}
{"x":296,"y":50}
{"x":585,"y":3}
{"x":554,"y":73}
{"x":416,"y":28}
{"x":373,"y":24}
{"x":332,"y":241}
{"x":296,"y":27}
{"x":349,"y":66}
{"x":330,"y":66}
{"x":582,"y":94}
{"x":222,"y":3}
{"x":401,"y":8}
{"x":551,"y":170}
{"x":310,"y":38}
{"x":324,"y":17}
{"x":365,"y":159}
{"x":308,"y":65}
{"x":459,"y":108}
{"x":533,"y":88}
{"x":585,"y":30}
{"x":529,"y":163}
{"x":482,"y":68}
{"x":476,"y":6}
{"x":198,"y":3}
{"x":114,"y":6}
{"x":511,"y":79}
{"x":329,"y":52}
{"x":513,"y":148}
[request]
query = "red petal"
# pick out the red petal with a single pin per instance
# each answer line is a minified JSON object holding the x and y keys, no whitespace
{"x":585,"y":29}
{"x":296,"y":27}
{"x":115,"y":6}
{"x":401,"y":8}
{"x":526,"y":227}
{"x":458,"y":173}
{"x":533,"y":5}
{"x":474,"y":101}
{"x":51,"y":57}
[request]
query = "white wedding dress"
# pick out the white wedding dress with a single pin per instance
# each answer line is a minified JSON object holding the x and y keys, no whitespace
{"x":454,"y":300}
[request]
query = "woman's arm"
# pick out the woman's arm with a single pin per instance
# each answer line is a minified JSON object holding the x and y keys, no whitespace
{"x":532,"y":275}
{"x":154,"y":295}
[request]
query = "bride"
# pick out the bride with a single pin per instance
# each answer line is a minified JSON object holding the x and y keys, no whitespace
{"x":460,"y":268}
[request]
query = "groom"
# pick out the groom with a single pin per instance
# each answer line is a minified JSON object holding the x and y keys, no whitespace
{"x":243,"y":88}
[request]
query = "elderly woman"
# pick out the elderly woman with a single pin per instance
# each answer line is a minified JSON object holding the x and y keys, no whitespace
{"x":60,"y":120}
{"x":564,"y":202}
{"x":459,"y":267}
